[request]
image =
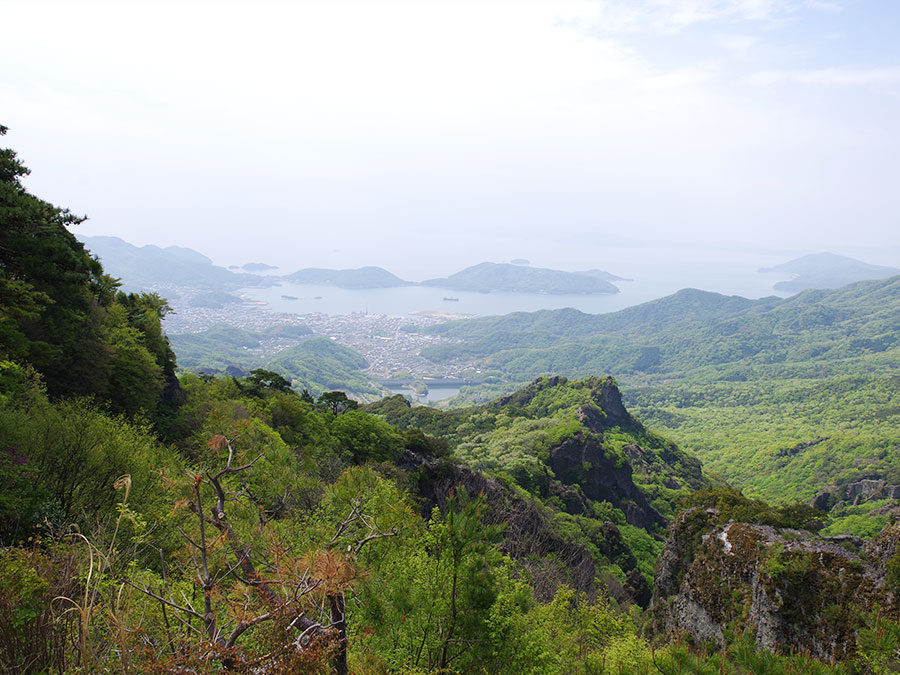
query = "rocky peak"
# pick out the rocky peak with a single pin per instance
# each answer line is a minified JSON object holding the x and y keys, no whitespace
{"x":525,"y":396}
{"x":606,"y":395}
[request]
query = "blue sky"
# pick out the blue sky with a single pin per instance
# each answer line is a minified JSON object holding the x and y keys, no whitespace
{"x":349,"y":133}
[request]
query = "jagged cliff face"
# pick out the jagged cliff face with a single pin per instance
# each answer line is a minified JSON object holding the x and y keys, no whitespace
{"x":581,"y":460}
{"x":790,"y":589}
{"x":529,"y":536}
{"x":591,"y":459}
{"x":859,"y":492}
{"x":586,"y":466}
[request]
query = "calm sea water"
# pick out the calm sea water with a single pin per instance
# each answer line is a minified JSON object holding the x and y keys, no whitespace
{"x":655,"y":273}
{"x":434,"y":393}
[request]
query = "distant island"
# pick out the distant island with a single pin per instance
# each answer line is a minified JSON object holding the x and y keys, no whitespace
{"x":487,"y":277}
{"x":519,"y":261}
{"x":364,"y":277}
{"x":153,"y":267}
{"x":149,"y":267}
{"x":826,"y":271}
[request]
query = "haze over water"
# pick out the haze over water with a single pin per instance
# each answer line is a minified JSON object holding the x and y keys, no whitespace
{"x":655,"y":273}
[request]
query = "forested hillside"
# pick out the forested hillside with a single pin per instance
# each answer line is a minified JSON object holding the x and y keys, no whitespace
{"x":780,"y":397}
{"x":194,"y":524}
{"x":312,"y":362}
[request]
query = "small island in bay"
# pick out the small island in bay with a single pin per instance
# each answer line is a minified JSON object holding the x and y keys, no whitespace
{"x":506,"y":277}
{"x":363,"y":277}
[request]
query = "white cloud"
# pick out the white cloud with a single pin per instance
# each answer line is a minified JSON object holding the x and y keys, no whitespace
{"x":252,"y":120}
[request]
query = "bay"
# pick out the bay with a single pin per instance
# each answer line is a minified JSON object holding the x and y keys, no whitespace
{"x":656,"y":273}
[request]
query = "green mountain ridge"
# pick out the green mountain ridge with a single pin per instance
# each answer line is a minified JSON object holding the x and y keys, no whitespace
{"x":310,"y":362}
{"x":739,"y":382}
{"x":154,"y":523}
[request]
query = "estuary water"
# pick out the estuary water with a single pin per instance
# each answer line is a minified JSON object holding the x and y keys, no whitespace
{"x":655,"y":273}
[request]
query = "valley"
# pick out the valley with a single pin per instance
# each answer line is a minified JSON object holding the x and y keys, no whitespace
{"x":356,"y":528}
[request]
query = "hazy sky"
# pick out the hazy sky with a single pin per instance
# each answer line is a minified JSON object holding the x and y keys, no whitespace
{"x":348,"y":133}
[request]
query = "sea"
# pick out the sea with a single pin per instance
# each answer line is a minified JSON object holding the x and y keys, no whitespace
{"x":651,"y":273}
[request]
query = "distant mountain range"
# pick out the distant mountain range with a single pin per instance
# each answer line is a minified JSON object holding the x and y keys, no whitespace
{"x":780,"y":396}
{"x":148,"y":267}
{"x":825,"y":271}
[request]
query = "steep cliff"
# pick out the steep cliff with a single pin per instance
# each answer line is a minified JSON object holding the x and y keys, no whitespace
{"x":790,"y":589}
{"x":531,"y":535}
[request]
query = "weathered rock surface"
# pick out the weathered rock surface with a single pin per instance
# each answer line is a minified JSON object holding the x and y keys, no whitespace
{"x":855,"y":493}
{"x":582,"y":459}
{"x":789,"y":588}
{"x":529,"y":535}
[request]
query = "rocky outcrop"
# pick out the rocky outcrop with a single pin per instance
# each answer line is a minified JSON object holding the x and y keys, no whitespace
{"x":790,"y":589}
{"x":607,"y":396}
{"x":855,"y":493}
{"x":529,"y":534}
{"x":608,"y":412}
{"x":581,"y":459}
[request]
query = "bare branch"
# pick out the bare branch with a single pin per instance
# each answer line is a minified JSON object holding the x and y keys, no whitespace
{"x":180,"y":608}
{"x":371,"y":537}
{"x":245,"y":625}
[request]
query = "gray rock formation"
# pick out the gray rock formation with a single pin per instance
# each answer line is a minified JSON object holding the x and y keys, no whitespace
{"x":790,"y":589}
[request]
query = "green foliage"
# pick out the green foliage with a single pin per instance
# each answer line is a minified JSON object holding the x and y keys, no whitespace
{"x":320,"y":364}
{"x":435,"y":615}
{"x":60,"y":313}
{"x":573,"y":635}
{"x":892,"y":573}
{"x":362,"y":437}
{"x":424,"y":444}
{"x":72,"y":454}
{"x":733,"y":505}
{"x":336,"y":402}
{"x":742,"y":657}
{"x":261,"y":380}
{"x":778,"y":397}
{"x":33,"y":636}
{"x":879,"y":644}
